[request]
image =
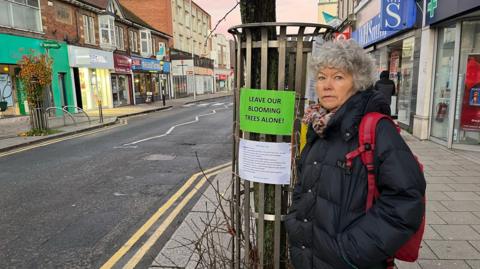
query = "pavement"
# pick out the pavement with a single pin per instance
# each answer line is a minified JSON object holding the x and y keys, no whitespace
{"x":452,"y":235}
{"x":12,"y":128}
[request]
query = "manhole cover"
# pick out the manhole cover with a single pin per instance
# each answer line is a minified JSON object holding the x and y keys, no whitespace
{"x":159,"y":157}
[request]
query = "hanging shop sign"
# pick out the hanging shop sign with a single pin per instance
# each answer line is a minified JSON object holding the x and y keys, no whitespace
{"x":397,"y":15}
{"x":166,"y":67}
{"x":122,"y":63}
{"x":438,"y":10}
{"x":144,"y":64}
{"x":267,"y":112}
{"x":264,"y":162}
{"x":371,"y":32}
{"x":470,"y":119}
{"x":90,"y":58}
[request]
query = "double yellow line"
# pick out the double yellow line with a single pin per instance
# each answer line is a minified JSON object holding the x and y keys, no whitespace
{"x":137,"y":257}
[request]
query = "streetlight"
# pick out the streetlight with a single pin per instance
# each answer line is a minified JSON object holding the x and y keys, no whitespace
{"x":193,"y":57}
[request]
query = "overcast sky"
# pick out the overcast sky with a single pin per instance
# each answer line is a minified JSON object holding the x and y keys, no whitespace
{"x":287,"y":11}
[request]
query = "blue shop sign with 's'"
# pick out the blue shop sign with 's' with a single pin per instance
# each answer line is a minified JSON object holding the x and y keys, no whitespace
{"x":396,"y":15}
{"x":373,"y":30}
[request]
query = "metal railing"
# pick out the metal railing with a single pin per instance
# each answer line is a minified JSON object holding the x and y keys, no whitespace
{"x":64,"y":111}
{"x":79,"y":109}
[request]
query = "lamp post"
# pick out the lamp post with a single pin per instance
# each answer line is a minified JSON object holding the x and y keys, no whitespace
{"x":193,"y":57}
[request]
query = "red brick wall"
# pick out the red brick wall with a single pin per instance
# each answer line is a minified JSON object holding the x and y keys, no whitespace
{"x":157,"y":13}
{"x":57,"y":27}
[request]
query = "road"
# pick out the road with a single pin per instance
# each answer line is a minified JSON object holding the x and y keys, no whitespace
{"x":74,"y":203}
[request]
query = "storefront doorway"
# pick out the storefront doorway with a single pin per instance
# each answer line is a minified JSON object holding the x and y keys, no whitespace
{"x":120,"y":90}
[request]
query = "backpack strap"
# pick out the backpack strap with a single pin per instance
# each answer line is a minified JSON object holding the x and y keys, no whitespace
{"x":366,"y":149}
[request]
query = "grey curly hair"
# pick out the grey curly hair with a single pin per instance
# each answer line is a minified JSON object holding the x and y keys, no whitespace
{"x":348,"y":56}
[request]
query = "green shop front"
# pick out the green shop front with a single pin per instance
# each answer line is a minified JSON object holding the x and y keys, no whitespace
{"x":60,"y":92}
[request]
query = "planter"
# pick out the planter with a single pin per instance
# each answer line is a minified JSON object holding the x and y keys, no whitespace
{"x":3,"y":106}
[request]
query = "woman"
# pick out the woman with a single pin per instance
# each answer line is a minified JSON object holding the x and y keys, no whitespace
{"x":327,"y":224}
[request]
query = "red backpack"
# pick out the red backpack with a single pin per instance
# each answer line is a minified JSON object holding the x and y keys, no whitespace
{"x":367,"y":130}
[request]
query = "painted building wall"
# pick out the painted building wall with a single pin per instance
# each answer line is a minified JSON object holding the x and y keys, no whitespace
{"x":14,"y":47}
{"x":328,"y":6}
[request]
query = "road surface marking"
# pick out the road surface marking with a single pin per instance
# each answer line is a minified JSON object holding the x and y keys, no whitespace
{"x":204,"y":104}
{"x":189,"y":105}
{"x":53,"y":141}
{"x":154,"y":218}
{"x":218,"y":104}
{"x":197,"y":118}
{"x":163,"y":227}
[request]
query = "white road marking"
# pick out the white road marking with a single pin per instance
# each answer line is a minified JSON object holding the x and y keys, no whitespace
{"x":197,"y":118}
{"x":189,"y":105}
{"x":218,"y":104}
{"x":202,"y":105}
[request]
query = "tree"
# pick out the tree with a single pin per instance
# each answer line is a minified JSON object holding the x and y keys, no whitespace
{"x":257,"y":11}
{"x":35,"y":75}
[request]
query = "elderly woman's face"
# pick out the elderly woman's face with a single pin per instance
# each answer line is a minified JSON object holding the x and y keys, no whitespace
{"x":334,"y":87}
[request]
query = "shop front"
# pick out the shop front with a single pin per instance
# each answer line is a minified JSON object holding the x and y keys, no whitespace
{"x":394,"y":46}
{"x":455,"y":105}
{"x":121,"y":80}
{"x":92,"y":80}
{"x":59,"y":94}
{"x":146,"y":79}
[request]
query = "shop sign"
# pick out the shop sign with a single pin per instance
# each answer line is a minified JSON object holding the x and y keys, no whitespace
{"x":203,"y":71}
{"x":182,"y":67}
{"x":50,"y":44}
{"x":122,"y":63}
{"x":438,"y":10}
{"x":221,"y":77}
{"x":90,"y":58}
{"x":371,"y":32}
{"x":346,"y":34}
{"x":166,"y":67}
{"x":396,"y":15}
{"x":470,"y":119}
{"x":267,"y":112}
{"x":145,"y":64}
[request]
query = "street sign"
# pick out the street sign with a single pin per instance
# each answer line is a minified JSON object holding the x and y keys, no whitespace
{"x":50,"y":44}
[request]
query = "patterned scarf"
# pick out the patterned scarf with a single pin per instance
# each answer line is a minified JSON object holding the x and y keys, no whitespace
{"x":318,"y":117}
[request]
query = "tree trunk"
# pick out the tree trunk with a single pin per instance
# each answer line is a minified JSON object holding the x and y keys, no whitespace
{"x":257,"y":11}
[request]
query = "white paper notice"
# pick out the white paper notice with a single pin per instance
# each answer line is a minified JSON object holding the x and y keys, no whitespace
{"x":265,"y":162}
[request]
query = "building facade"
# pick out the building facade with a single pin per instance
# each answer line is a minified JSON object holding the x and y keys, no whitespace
{"x":327,"y":9}
{"x":450,"y":113}
{"x":222,"y":65}
{"x":25,"y":26}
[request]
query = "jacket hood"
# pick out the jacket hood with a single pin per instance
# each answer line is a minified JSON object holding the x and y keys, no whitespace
{"x":348,"y":117}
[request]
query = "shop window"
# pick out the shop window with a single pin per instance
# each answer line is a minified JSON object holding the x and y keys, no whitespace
{"x":443,"y":83}
{"x":88,"y":29}
{"x":107,"y":30}
{"x":119,"y":38}
{"x":467,"y":120}
{"x":21,"y":14}
{"x":145,"y":43}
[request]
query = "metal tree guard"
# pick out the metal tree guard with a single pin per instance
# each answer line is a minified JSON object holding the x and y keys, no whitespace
{"x":292,"y":58}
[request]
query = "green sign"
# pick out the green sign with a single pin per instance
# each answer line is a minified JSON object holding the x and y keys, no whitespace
{"x":267,"y":112}
{"x":431,"y":8}
{"x":50,"y":44}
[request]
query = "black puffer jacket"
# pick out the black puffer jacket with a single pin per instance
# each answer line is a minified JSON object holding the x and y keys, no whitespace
{"x":327,"y":224}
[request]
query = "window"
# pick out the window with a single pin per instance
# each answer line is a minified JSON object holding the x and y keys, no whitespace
{"x":88,"y":29}
{"x":187,"y":19}
{"x":21,"y":14}
{"x":119,"y":36}
{"x":145,"y":42}
{"x":133,"y":41}
{"x":107,"y":30}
